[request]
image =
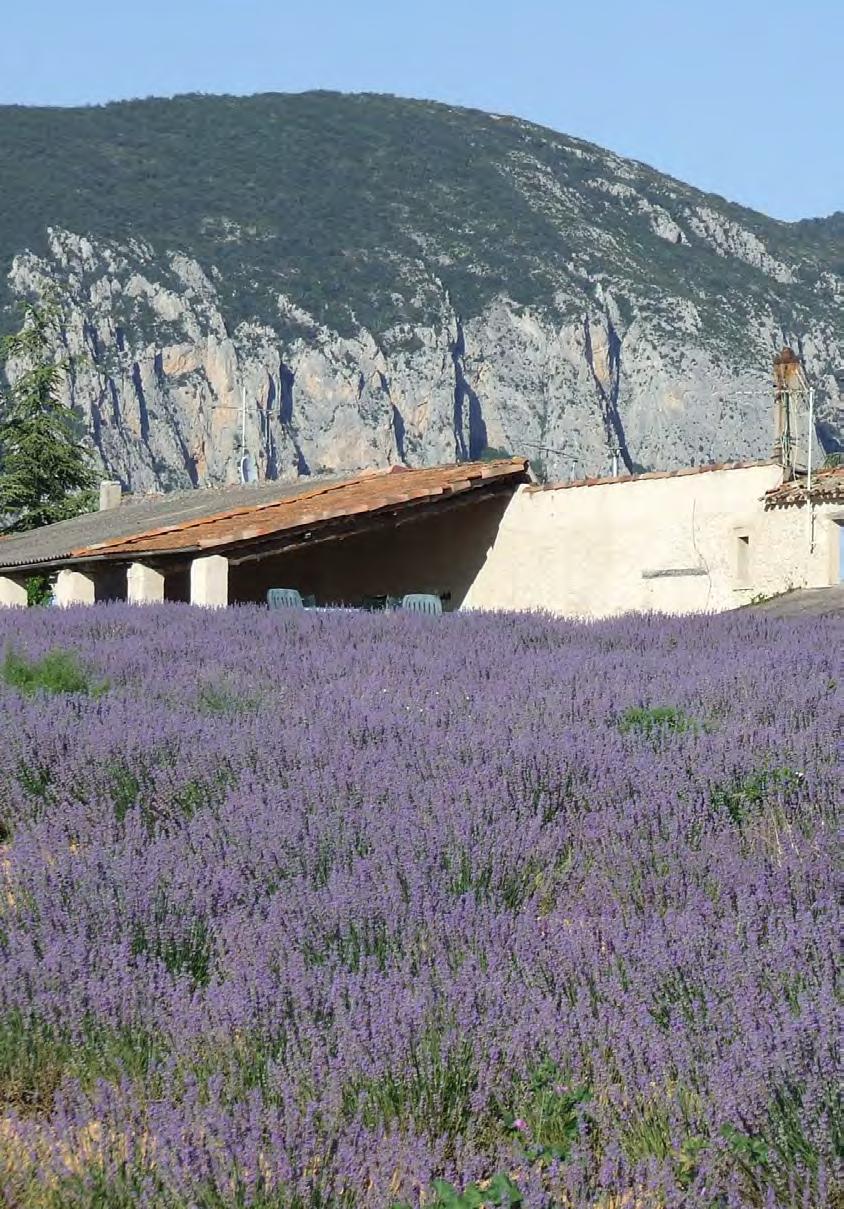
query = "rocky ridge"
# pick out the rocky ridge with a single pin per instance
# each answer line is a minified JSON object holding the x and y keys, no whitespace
{"x":611,"y":365}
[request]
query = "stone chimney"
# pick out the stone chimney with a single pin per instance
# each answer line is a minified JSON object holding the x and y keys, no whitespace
{"x":111,"y":494}
{"x":788,"y":384}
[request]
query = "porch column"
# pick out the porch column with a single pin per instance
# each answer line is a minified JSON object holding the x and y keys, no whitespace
{"x":144,"y":585}
{"x":74,"y":587}
{"x":209,"y":581}
{"x":12,"y":593}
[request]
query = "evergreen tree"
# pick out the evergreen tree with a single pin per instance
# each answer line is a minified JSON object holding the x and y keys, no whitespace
{"x":45,"y":473}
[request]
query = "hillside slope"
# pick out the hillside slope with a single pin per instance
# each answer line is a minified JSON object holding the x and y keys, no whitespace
{"x":389,"y":280}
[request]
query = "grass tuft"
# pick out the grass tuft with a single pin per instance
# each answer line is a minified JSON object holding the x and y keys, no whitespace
{"x":58,"y":671}
{"x":654,"y":721}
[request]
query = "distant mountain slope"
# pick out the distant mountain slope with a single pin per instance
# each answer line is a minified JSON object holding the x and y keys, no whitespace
{"x":399,"y":280}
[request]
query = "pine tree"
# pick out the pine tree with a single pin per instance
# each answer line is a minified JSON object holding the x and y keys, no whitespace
{"x":45,"y":473}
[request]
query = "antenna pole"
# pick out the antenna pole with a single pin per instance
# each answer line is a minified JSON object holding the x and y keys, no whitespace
{"x":811,"y":436}
{"x":242,"y":463}
{"x":809,"y":507}
{"x":242,"y":421}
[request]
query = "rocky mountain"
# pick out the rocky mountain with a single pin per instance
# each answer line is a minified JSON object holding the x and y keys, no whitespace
{"x":376,"y":280}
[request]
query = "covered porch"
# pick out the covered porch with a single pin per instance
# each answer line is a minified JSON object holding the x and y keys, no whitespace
{"x":351,"y":543}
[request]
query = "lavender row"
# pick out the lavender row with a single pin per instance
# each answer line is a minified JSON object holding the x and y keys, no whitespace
{"x":317,"y":910}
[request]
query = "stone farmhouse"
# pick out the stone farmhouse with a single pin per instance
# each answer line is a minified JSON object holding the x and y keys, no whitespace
{"x":480,"y":535}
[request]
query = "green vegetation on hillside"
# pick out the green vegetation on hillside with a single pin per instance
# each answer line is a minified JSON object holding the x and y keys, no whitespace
{"x":329,"y":198}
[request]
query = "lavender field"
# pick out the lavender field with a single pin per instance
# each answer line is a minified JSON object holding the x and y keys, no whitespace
{"x":316,"y":910}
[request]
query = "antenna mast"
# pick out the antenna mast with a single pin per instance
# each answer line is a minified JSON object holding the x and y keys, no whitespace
{"x":242,"y":421}
{"x":247,"y":468}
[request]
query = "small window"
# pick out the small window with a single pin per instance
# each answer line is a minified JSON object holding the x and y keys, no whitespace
{"x":743,"y":559}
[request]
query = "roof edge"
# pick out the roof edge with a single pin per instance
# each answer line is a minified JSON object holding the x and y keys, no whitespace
{"x":649,"y":475}
{"x":472,"y":475}
{"x":518,"y":464}
{"x":827,"y":487}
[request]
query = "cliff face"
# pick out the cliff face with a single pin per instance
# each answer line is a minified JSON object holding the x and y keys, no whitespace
{"x":644,"y":331}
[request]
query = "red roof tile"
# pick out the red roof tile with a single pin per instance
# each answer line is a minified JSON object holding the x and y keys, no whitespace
{"x":827,"y":486}
{"x":371,"y":492}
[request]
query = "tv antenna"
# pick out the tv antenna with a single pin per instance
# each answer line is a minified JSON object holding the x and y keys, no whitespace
{"x":248,"y":471}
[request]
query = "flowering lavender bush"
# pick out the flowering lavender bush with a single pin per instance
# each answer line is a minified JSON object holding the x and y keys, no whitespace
{"x":323,"y":910}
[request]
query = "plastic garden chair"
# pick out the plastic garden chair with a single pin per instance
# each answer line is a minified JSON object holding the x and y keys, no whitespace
{"x":422,"y":602}
{"x":284,"y":598}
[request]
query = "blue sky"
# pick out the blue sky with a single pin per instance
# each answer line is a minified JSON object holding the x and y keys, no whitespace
{"x":741,"y":97}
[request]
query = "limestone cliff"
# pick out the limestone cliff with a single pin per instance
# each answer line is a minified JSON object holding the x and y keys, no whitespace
{"x":644,"y":332}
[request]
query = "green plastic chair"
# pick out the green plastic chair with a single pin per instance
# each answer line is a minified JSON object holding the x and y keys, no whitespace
{"x":284,"y":598}
{"x":422,"y":602}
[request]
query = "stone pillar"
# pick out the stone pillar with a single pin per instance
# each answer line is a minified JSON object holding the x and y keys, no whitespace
{"x":209,"y":581}
{"x":12,"y":593}
{"x":74,"y":587}
{"x":144,"y":585}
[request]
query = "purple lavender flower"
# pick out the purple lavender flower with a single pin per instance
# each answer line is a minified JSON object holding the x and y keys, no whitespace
{"x":368,"y":903}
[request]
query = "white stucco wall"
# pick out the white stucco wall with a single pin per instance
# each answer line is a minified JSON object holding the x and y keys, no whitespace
{"x":594,"y":551}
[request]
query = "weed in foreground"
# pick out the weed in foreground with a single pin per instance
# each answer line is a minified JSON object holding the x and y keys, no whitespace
{"x":58,"y":671}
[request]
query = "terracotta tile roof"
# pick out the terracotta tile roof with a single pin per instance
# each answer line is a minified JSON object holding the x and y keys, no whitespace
{"x":372,"y":492}
{"x":137,"y":514}
{"x":827,"y":487}
{"x":652,"y":474}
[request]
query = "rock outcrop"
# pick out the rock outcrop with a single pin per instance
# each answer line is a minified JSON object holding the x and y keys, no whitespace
{"x":648,"y":370}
